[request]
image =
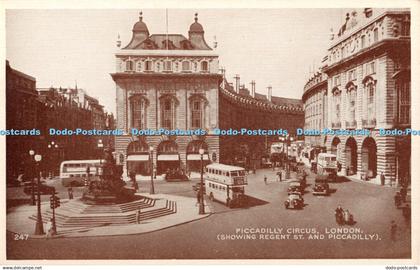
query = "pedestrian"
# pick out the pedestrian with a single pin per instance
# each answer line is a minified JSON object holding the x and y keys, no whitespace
{"x":265,"y":179}
{"x":382,"y":178}
{"x":393,"y":230}
{"x":198,"y":196}
{"x":280,"y":175}
{"x":70,"y":192}
{"x":138,"y":213}
{"x":49,"y":229}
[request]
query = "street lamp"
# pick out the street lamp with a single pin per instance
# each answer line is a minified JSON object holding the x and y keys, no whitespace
{"x":50,"y":165}
{"x":201,"y":207}
{"x":152,"y":186}
{"x":39,"y":228}
{"x":32,"y":167}
{"x":286,"y":140}
{"x":100,"y":146}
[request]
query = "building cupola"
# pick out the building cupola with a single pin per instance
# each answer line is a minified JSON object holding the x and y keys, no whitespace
{"x":196,"y":35}
{"x":140,"y":33}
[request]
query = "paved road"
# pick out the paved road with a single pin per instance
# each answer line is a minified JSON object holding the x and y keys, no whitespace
{"x":371,"y":205}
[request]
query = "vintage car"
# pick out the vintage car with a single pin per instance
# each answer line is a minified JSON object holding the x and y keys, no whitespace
{"x":295,"y":186}
{"x":321,"y":186}
{"x":294,"y":200}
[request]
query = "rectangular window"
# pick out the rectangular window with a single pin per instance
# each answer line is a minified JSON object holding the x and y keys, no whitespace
{"x":363,"y":42}
{"x":404,"y":102}
{"x":336,"y":80}
{"x":129,"y":65}
{"x":352,"y":75}
{"x":168,"y":66}
{"x":186,"y":66}
{"x":375,"y":35}
{"x":196,"y":115}
{"x":148,"y":66}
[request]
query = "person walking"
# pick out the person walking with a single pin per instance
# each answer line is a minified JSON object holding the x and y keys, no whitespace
{"x":393,"y":231}
{"x":265,"y":179}
{"x":382,"y":178}
{"x":280,"y":175}
{"x":138,"y":213}
{"x":70,"y":192}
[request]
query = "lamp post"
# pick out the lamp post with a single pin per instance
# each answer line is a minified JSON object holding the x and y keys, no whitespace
{"x":39,"y":228}
{"x":100,"y":146}
{"x":286,"y":140}
{"x":51,"y":146}
{"x":152,"y":186}
{"x":201,"y":207}
{"x":32,"y":168}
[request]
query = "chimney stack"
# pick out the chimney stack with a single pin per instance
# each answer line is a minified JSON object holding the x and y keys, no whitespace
{"x":269,"y":93}
{"x":237,"y":79}
{"x":253,"y":89}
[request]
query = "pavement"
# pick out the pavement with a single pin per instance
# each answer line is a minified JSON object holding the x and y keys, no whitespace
{"x":18,"y":221}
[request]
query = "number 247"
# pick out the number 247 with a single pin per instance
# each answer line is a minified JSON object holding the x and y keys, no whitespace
{"x":21,"y":236}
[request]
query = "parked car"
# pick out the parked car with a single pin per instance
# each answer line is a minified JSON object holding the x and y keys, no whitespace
{"x":294,"y":200}
{"x":44,"y":188}
{"x":321,"y":186}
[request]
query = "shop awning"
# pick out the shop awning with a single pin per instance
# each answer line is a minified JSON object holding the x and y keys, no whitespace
{"x":168,"y":157}
{"x":138,"y":158}
{"x":197,"y":157}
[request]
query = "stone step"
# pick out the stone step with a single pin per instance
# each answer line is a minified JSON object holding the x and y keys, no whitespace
{"x":68,"y":219}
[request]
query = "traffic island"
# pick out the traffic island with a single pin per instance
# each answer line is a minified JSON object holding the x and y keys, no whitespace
{"x":77,"y":219}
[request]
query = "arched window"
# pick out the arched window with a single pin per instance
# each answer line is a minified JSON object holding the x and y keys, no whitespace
{"x":168,"y":112}
{"x":337,"y":107}
{"x":186,"y":66}
{"x":129,"y":65}
{"x":204,"y":66}
{"x":351,"y":105}
{"x":138,"y":112}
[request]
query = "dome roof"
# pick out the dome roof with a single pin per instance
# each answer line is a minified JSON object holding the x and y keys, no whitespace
{"x":140,"y":26}
{"x":196,"y":27}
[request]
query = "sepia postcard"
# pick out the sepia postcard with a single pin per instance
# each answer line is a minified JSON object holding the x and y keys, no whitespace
{"x":210,"y":133}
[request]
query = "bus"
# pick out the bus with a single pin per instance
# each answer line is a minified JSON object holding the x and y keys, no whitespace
{"x":327,"y":165}
{"x":226,"y":184}
{"x":74,"y":172}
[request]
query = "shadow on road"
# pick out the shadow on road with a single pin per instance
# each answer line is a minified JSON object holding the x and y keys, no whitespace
{"x":252,"y":201}
{"x":341,"y":179}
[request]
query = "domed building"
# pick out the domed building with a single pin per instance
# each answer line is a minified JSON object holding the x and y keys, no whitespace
{"x":168,"y":82}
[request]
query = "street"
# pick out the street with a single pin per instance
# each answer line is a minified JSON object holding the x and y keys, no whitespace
{"x":217,"y":236}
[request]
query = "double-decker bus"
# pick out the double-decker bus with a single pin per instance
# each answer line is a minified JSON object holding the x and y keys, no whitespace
{"x":226,"y":184}
{"x":75,"y":172}
{"x":327,"y":165}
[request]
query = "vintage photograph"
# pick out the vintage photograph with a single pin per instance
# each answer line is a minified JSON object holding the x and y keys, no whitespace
{"x":211,"y":134}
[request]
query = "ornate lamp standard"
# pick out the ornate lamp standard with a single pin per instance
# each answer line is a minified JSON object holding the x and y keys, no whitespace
{"x":152,"y":186}
{"x":100,"y":146}
{"x":39,"y":228}
{"x":286,"y":141}
{"x":201,"y":207}
{"x":51,"y":146}
{"x":32,"y":168}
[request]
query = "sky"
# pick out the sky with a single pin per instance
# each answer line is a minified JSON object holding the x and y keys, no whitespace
{"x":274,"y":47}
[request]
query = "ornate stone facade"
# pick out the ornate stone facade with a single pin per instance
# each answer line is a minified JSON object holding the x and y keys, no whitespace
{"x":369,"y":84}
